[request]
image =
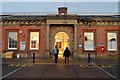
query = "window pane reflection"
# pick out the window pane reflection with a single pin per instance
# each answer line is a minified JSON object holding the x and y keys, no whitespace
{"x":34,"y":40}
{"x":112,"y":40}
{"x":12,"y":40}
{"x":89,"y":41}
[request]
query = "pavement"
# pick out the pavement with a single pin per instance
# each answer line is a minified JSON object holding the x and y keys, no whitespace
{"x":23,"y":68}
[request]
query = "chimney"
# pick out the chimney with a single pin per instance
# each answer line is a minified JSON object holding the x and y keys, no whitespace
{"x":62,"y":10}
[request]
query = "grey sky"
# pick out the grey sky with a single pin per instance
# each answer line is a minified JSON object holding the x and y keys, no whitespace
{"x":51,"y":7}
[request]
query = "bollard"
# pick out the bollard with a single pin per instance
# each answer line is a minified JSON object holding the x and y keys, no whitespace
{"x":33,"y":57}
{"x":88,"y":57}
{"x":95,"y":55}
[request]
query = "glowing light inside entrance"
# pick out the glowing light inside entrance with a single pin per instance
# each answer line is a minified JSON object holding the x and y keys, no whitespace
{"x":62,"y":41}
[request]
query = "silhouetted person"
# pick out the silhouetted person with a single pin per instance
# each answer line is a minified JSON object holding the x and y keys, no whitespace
{"x":66,"y":54}
{"x":56,"y":52}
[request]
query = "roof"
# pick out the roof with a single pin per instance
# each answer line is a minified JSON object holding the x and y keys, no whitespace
{"x":58,"y":16}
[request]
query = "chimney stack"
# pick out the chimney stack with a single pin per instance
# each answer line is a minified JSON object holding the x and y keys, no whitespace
{"x":62,"y":10}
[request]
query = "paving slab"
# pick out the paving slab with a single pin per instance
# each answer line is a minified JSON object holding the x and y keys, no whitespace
{"x":46,"y":68}
{"x":58,"y":71}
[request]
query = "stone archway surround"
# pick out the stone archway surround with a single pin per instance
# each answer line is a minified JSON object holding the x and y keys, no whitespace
{"x":55,"y":29}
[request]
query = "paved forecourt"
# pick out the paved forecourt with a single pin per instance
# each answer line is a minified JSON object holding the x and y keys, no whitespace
{"x":75,"y":69}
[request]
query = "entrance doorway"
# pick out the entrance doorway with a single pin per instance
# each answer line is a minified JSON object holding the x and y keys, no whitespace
{"x":62,"y":41}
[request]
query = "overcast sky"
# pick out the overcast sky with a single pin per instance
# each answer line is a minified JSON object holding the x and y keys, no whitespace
{"x":52,"y":7}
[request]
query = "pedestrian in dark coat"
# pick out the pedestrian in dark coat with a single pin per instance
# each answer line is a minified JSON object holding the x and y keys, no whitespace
{"x":66,"y":54}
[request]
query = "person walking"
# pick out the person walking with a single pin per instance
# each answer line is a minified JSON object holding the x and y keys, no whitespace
{"x":56,"y":52}
{"x":66,"y":54}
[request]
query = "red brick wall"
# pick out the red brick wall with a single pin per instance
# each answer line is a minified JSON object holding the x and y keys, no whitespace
{"x":24,"y":36}
{"x":62,"y":10}
{"x":99,"y":36}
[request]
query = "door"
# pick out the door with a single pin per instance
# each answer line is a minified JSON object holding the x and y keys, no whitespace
{"x":62,"y":41}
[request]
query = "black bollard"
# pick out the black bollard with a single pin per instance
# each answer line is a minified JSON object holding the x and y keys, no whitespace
{"x":33,"y":57}
{"x":95,"y":55}
{"x":88,"y":57}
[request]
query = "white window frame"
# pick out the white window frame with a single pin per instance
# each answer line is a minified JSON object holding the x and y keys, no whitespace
{"x":38,"y":43}
{"x":86,"y":49}
{"x":108,"y":42}
{"x":8,"y":39}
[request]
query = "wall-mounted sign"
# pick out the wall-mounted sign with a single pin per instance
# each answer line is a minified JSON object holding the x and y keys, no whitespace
{"x":100,"y":43}
{"x":80,"y":45}
{"x":22,"y":46}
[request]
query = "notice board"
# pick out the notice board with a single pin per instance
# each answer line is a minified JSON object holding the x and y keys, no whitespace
{"x":22,"y":46}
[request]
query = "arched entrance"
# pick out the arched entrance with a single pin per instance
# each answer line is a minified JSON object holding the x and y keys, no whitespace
{"x":62,"y":41}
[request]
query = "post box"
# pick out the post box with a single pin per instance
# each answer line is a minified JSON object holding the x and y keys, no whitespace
{"x":101,"y":49}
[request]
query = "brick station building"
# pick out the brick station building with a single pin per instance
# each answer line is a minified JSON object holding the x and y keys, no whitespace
{"x":26,"y":34}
